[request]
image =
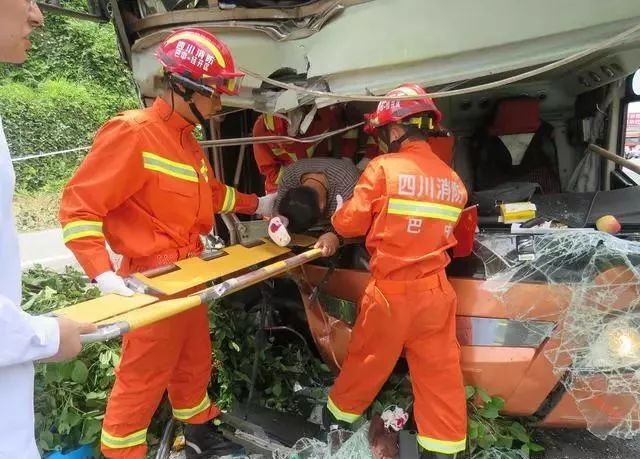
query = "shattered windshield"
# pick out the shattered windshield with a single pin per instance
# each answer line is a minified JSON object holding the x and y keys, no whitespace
{"x":341,"y":444}
{"x":595,"y":346}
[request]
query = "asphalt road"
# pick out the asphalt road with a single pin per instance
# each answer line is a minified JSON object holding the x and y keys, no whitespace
{"x":580,"y":444}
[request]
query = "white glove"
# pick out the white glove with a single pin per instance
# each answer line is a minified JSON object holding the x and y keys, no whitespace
{"x":278,"y":231}
{"x":339,"y":202}
{"x":265,"y":204}
{"x":110,"y":282}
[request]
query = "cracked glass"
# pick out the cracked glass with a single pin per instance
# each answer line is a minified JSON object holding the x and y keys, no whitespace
{"x":588,"y":284}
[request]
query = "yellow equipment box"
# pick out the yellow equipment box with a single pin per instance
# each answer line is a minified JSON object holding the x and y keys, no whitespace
{"x":517,"y":212}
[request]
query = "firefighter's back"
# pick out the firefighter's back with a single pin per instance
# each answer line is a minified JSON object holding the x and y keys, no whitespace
{"x":413,"y":228}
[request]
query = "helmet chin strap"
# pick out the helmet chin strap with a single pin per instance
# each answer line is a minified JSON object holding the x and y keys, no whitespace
{"x":187,"y":96}
{"x":198,"y":115}
{"x":394,"y":146}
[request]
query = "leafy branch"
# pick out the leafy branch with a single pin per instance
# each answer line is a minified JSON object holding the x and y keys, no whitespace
{"x":489,"y":431}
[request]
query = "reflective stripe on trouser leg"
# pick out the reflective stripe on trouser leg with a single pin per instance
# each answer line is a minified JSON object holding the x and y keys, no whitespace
{"x":120,"y":442}
{"x":433,"y":356}
{"x":150,"y":357}
{"x":442,"y":446}
{"x":184,"y":414}
{"x":376,"y":343}
{"x":341,"y":415}
{"x":192,"y":375}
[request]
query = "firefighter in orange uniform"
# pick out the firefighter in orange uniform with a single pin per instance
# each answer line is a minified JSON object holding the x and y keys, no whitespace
{"x":301,"y":122}
{"x":407,"y":204}
{"x":147,"y":188}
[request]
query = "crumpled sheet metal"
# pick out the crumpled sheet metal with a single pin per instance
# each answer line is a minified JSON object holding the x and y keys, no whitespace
{"x":330,"y":334}
{"x":596,"y":343}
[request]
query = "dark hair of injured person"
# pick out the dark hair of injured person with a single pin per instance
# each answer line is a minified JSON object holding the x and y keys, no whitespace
{"x":300,"y":206}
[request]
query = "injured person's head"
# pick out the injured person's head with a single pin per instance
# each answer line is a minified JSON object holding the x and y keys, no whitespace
{"x":310,"y":189}
{"x":300,"y":206}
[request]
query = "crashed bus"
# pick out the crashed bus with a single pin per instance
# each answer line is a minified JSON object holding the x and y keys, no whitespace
{"x":535,"y":105}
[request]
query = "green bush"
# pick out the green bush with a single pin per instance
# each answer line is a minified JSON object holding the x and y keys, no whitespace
{"x":490,"y":432}
{"x":281,"y":365}
{"x":79,"y":51}
{"x":54,"y":116}
{"x":73,"y":81}
{"x":70,"y":397}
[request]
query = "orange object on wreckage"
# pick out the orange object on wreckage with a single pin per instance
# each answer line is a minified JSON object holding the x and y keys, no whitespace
{"x":515,"y":330}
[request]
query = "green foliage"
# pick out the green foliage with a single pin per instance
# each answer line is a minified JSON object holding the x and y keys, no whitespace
{"x":73,"y":81}
{"x":79,"y":51}
{"x":70,"y":397}
{"x":281,"y":365}
{"x":54,"y":116}
{"x":396,"y":391}
{"x":44,"y":290}
{"x":489,"y":431}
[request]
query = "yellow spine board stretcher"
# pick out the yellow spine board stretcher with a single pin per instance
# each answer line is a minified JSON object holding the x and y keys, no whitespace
{"x":116,"y":315}
{"x":192,"y":272}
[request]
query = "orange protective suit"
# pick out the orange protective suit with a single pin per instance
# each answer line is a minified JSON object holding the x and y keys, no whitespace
{"x":407,"y":204}
{"x":147,"y":188}
{"x":271,"y":158}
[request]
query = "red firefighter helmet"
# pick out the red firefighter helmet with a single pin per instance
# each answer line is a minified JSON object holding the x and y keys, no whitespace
{"x":394,"y":111}
{"x":199,"y":57}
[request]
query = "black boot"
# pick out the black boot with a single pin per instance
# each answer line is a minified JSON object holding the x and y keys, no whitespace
{"x":433,"y":455}
{"x":329,"y":422}
{"x":205,"y":441}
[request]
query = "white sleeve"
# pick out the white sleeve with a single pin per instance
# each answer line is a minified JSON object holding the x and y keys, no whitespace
{"x":25,"y":338}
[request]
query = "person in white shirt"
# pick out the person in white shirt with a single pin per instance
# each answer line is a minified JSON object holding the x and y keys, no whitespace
{"x":23,"y":338}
